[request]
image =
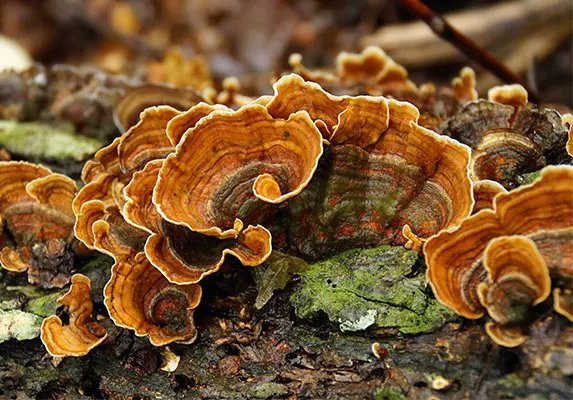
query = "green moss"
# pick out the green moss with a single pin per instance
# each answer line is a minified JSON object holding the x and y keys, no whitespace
{"x":364,"y":288}
{"x":19,"y":325}
{"x":45,"y":306}
{"x":528,"y":178}
{"x":37,"y":141}
{"x":388,"y":393}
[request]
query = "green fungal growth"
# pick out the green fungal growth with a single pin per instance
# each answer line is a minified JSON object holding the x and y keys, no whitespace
{"x":36,"y":141}
{"x":19,"y":325}
{"x":359,"y":289}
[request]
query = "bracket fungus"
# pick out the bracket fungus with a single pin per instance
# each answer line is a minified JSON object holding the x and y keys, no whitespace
{"x":541,"y":211}
{"x":484,"y":193}
{"x":567,"y":119}
{"x":508,"y":135}
{"x":36,"y":212}
{"x":139,"y":297}
{"x":82,"y":333}
{"x":374,"y":73}
{"x":517,"y":279}
{"x":228,"y":161}
{"x":382,"y":171}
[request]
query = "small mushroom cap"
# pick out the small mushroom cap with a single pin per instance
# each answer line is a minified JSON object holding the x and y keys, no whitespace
{"x":511,"y":95}
{"x":138,"y":297}
{"x":484,"y":193}
{"x":214,"y":171}
{"x":82,"y":333}
{"x":505,"y":336}
{"x":14,"y":176}
{"x":455,"y":258}
{"x":563,"y":302}
{"x":508,"y":136}
{"x":372,"y":65}
{"x":517,"y":278}
{"x":568,"y":119}
{"x":129,"y":108}
{"x":35,"y":206}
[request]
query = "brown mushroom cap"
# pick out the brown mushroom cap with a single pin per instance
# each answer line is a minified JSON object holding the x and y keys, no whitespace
{"x":455,"y":258}
{"x":508,"y":136}
{"x":220,"y":164}
{"x":139,"y":297}
{"x":517,"y":279}
{"x":82,"y":333}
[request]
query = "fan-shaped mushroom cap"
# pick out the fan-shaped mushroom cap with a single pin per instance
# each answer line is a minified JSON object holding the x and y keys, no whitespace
{"x":224,"y":162}
{"x":35,"y":207}
{"x":184,"y":256}
{"x":188,"y":119}
{"x":372,"y":72}
{"x":138,"y":297}
{"x":147,"y":140}
{"x":484,"y":193}
{"x":517,"y":279}
{"x":543,"y":211}
{"x":508,"y":136}
{"x":82,"y":333}
{"x":382,"y":171}
{"x":129,"y":108}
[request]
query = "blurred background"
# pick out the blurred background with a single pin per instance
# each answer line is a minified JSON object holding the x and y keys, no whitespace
{"x":252,"y":39}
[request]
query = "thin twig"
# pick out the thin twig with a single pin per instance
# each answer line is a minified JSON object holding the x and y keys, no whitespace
{"x":472,"y":50}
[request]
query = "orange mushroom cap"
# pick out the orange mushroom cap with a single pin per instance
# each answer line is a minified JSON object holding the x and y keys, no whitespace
{"x":382,"y":171}
{"x":82,"y":333}
{"x":129,"y":108}
{"x":220,"y":167}
{"x":147,"y":140}
{"x":484,"y":193}
{"x":139,"y":297}
{"x":184,"y":256}
{"x":543,"y":211}
{"x":35,"y":208}
{"x":517,"y":279}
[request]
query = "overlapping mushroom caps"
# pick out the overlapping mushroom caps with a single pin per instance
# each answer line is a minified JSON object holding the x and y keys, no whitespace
{"x":382,"y":171}
{"x":542,"y":212}
{"x":82,"y":333}
{"x":36,"y":211}
{"x":508,"y":135}
{"x":374,"y":73}
{"x":517,"y":279}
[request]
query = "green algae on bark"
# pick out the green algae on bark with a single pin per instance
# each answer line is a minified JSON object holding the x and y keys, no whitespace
{"x":19,"y":325}
{"x":359,"y":289}
{"x":38,"y":141}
